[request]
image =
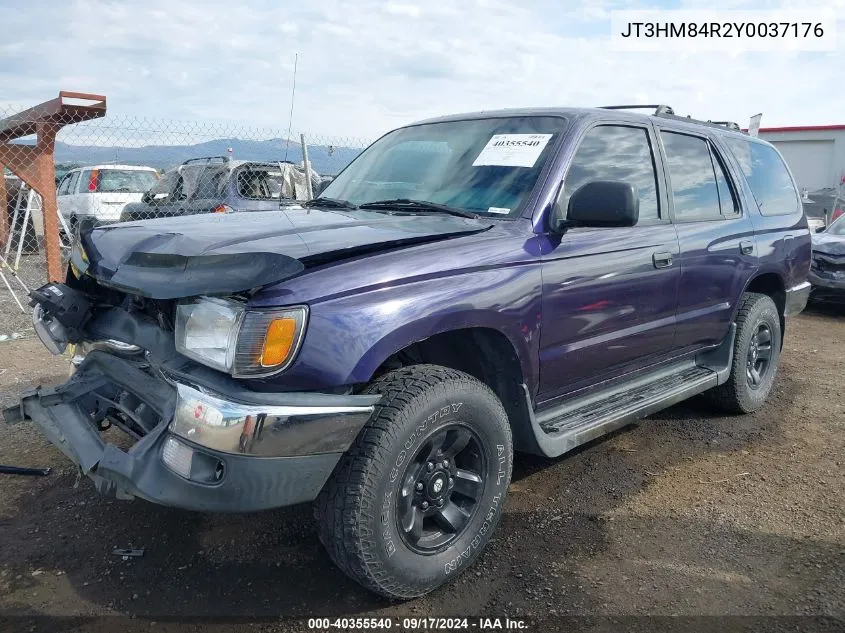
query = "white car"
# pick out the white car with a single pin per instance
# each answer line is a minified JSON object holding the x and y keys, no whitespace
{"x":97,"y":194}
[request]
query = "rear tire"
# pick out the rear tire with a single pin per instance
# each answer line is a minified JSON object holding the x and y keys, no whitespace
{"x":417,"y":496}
{"x":755,"y":359}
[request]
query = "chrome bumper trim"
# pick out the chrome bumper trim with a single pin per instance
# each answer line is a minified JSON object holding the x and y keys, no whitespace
{"x":209,"y":420}
{"x":796,"y":298}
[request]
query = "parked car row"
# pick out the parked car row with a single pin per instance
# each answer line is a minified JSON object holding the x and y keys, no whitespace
{"x":219,"y":185}
{"x":101,"y":194}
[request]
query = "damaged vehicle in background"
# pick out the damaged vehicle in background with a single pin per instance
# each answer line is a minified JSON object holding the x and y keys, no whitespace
{"x":827,"y":271}
{"x":468,"y":286}
{"x":221,"y":185}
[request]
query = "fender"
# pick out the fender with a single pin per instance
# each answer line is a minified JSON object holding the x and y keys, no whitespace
{"x":349,"y":337}
{"x":398,"y":339}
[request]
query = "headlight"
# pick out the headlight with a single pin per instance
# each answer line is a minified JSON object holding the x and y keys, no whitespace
{"x":207,"y":330}
{"x":225,"y":335}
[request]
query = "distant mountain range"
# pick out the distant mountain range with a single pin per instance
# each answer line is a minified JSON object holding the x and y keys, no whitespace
{"x":323,"y":160}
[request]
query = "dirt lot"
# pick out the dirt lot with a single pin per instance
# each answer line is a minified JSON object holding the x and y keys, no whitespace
{"x":686,"y":513}
{"x":32,"y":271}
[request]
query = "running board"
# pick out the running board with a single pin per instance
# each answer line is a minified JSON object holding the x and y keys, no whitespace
{"x":585,"y":418}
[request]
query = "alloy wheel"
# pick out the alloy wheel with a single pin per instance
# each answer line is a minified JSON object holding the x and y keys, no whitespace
{"x":440,"y":489}
{"x":759,"y":357}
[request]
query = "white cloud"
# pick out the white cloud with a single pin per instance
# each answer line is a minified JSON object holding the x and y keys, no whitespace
{"x":398,"y":8}
{"x":368,"y":66}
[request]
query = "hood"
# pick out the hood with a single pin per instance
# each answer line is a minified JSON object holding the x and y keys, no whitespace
{"x":829,"y":244}
{"x":224,"y":253}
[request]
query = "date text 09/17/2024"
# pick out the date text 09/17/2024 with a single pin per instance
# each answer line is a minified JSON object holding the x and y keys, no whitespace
{"x":422,"y":623}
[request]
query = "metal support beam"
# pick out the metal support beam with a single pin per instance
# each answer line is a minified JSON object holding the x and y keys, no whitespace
{"x":4,"y":207}
{"x":35,"y":164}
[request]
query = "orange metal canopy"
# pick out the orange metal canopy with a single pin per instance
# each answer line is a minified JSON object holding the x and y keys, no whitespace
{"x":35,"y":165}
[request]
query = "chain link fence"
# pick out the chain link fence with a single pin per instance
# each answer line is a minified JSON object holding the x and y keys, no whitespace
{"x":123,"y":168}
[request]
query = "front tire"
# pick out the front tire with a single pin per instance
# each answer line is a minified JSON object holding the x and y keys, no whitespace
{"x":756,"y":354}
{"x":418,"y":495}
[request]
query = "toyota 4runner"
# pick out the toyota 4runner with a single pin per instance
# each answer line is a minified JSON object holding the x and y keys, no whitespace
{"x":470,"y":286}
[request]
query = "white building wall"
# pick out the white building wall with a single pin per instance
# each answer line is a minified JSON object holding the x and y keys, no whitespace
{"x":816,"y":157}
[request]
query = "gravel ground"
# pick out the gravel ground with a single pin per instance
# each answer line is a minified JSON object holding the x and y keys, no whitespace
{"x":32,"y":271}
{"x":686,"y":513}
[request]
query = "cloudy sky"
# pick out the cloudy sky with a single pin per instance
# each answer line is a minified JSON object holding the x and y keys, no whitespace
{"x":366,"y":66}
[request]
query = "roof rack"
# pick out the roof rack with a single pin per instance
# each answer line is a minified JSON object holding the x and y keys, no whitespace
{"x":667,"y":112}
{"x":207,"y":159}
{"x":658,"y":109}
{"x":728,"y":124}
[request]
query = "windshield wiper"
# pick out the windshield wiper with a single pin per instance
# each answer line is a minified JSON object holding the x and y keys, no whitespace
{"x":333,"y":203}
{"x":417,"y":205}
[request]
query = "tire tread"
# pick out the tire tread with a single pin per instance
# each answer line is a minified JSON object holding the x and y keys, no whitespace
{"x":347,"y":501}
{"x":731,"y":396}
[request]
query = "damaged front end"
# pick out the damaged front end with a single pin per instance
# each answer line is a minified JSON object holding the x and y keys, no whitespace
{"x":827,"y":274}
{"x":163,"y":311}
{"x":197,"y":438}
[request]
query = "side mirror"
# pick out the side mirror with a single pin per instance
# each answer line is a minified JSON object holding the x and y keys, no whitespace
{"x":820,"y":229}
{"x":602,"y":203}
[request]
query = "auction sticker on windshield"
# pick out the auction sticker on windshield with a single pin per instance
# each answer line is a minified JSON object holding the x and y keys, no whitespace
{"x":512,"y":150}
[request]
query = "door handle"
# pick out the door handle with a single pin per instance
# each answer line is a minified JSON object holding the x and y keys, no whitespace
{"x":746,"y":247}
{"x":662,"y":260}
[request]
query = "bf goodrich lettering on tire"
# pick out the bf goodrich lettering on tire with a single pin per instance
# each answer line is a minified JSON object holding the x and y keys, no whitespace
{"x":416,"y":437}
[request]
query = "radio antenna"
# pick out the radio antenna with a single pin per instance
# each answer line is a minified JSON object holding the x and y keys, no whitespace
{"x":292,"y":95}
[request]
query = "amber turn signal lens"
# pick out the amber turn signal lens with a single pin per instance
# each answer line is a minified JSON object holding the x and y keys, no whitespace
{"x":278,"y":342}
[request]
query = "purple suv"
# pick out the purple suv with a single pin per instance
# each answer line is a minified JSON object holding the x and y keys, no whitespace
{"x":470,"y":286}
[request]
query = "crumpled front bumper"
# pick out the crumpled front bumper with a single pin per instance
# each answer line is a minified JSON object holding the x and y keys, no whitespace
{"x":286,"y":459}
{"x":827,"y":285}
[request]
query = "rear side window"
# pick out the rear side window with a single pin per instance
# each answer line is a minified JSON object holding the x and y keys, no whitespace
{"x":767,"y":176}
{"x":614,"y":152}
{"x":695,"y":190}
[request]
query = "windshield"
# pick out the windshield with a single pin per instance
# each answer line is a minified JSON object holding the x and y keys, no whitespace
{"x":486,"y":166}
{"x":838,"y":227}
